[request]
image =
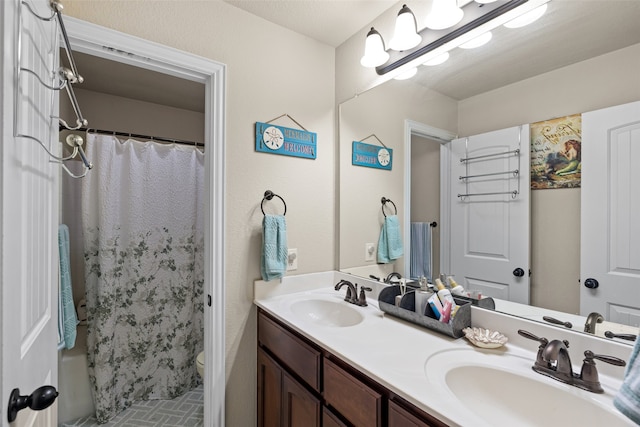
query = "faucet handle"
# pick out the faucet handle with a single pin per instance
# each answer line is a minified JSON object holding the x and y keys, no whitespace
{"x":589,"y":356}
{"x":362,"y":301}
{"x":540,"y":362}
{"x":543,"y":341}
{"x":589,"y":374}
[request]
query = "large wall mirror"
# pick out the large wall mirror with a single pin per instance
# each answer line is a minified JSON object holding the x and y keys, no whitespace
{"x":579,"y":57}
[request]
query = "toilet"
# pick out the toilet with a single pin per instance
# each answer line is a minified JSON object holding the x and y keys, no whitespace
{"x":200,"y":364}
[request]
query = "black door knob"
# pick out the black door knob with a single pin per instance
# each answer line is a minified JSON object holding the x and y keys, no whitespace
{"x":40,"y":399}
{"x":518,"y":272}
{"x":591,"y":283}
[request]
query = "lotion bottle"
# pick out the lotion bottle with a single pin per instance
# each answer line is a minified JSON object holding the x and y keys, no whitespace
{"x":456,"y":289}
{"x":444,"y":294}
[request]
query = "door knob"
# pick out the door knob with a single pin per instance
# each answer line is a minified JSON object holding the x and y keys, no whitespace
{"x":40,"y":399}
{"x":518,"y":272}
{"x":591,"y":283}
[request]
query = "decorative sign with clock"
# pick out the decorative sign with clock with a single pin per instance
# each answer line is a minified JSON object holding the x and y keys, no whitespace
{"x":285,"y":141}
{"x":371,"y":156}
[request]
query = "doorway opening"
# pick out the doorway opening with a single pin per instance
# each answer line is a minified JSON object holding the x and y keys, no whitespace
{"x":190,"y":90}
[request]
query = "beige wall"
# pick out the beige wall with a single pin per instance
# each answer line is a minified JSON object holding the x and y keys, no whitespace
{"x":270,"y":71}
{"x":600,"y":82}
{"x":382,"y":112}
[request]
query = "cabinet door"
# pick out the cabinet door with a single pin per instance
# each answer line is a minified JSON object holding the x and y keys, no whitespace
{"x":300,"y":407}
{"x":269,"y":391}
{"x":329,"y":419}
{"x":354,"y":400}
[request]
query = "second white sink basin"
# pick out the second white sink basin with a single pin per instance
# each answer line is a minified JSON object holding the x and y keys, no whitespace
{"x":502,"y":389}
{"x":327,"y":313}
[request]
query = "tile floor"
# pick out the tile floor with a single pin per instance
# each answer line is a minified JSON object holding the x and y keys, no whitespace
{"x":184,"y":411}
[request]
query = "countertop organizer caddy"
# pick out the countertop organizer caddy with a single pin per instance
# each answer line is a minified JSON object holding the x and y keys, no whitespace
{"x":406,"y":310}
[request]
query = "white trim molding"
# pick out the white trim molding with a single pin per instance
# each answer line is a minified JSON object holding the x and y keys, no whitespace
{"x":116,"y":46}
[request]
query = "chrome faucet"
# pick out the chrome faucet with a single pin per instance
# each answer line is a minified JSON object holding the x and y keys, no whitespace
{"x":592,"y":319}
{"x":553,"y":361}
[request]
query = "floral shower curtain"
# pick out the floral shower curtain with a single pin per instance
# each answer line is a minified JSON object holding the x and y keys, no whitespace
{"x":143,"y":218}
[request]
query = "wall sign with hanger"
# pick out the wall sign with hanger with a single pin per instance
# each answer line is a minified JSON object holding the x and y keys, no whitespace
{"x":371,"y":156}
{"x":285,"y":141}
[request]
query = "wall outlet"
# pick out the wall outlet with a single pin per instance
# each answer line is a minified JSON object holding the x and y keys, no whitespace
{"x":292,"y":260}
{"x":369,"y":251}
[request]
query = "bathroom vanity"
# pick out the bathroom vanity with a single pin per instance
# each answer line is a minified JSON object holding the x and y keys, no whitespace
{"x":324,"y":362}
{"x":300,"y":384}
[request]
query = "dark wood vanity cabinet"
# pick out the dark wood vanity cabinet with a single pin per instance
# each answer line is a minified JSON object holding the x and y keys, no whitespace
{"x":300,"y":385}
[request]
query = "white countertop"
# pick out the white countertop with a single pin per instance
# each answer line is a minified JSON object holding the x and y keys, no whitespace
{"x":389,"y":350}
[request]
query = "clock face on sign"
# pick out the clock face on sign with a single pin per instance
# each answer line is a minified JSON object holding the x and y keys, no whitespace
{"x":384,"y":157}
{"x":273,"y":137}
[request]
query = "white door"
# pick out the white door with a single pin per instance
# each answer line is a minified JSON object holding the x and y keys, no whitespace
{"x":490,"y":213}
{"x":610,"y":224}
{"x":29,"y":212}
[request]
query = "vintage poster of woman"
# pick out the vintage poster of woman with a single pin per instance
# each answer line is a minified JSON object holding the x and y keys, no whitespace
{"x":555,"y":153}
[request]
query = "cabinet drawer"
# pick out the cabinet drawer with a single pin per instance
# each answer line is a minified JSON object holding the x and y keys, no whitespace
{"x":407,"y":415}
{"x":298,"y":356}
{"x":356,"y":401}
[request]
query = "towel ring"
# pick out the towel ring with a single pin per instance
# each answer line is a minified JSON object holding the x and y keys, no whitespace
{"x":268,"y":195}
{"x":384,"y":200}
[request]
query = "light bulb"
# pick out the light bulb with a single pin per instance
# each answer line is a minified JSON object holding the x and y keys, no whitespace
{"x":407,"y":74}
{"x":481,"y":40}
{"x":527,"y":18}
{"x":406,"y":34}
{"x":438,"y":59}
{"x":374,"y":53}
{"x":443,"y":14}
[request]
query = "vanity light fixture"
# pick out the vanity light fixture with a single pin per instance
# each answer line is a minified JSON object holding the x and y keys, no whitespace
{"x":479,"y":17}
{"x":443,"y":14}
{"x":481,"y":40}
{"x":437,"y":60}
{"x":407,"y":74}
{"x":405,"y":35}
{"x":527,"y":18}
{"x":374,"y":52}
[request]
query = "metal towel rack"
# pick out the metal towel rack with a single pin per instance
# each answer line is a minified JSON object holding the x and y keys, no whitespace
{"x":384,"y":201}
{"x":515,"y":172}
{"x":63,"y":78}
{"x":268,"y":195}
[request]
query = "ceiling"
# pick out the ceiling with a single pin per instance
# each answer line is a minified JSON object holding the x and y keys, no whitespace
{"x":570,"y":31}
{"x":329,"y":21}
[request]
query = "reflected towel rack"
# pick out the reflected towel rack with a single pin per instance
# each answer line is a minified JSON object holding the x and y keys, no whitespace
{"x":515,"y":152}
{"x":515,"y":172}
{"x":384,"y":201}
{"x":268,"y":195}
{"x":66,"y":78}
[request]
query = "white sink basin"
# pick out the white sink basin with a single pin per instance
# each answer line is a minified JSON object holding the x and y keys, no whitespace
{"x":502,"y":389}
{"x":327,"y":313}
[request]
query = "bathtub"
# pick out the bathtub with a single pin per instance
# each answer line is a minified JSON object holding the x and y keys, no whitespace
{"x":75,"y":399}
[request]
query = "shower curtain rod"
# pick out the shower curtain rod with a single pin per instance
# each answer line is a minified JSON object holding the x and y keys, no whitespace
{"x":137,"y":135}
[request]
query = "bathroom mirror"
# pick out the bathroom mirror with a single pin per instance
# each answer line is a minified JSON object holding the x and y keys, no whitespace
{"x":445,"y":98}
